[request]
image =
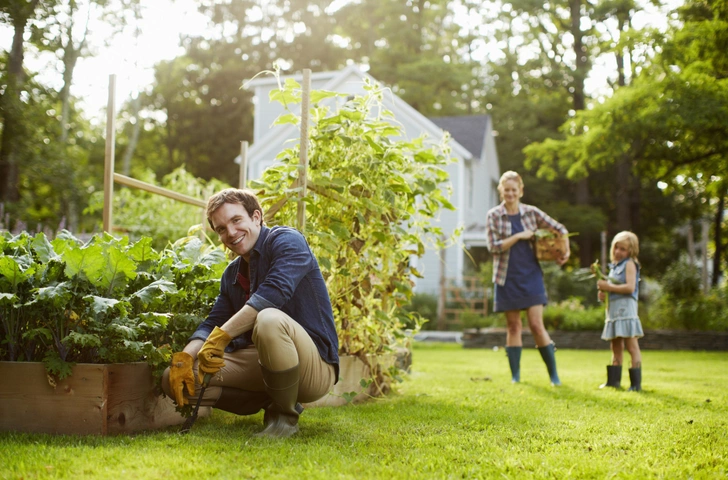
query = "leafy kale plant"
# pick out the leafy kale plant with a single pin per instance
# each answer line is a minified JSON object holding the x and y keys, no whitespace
{"x":108,"y":300}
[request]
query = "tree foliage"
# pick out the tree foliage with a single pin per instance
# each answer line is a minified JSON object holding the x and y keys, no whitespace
{"x":671,"y":123}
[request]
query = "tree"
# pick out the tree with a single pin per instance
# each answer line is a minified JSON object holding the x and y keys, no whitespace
{"x":417,"y":48}
{"x":671,"y":123}
{"x":17,"y":14}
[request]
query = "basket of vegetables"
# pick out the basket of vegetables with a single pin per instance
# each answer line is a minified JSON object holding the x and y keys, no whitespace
{"x":550,"y":245}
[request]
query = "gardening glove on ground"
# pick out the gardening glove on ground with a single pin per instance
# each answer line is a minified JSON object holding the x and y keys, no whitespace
{"x":181,"y":377}
{"x":211,"y":354}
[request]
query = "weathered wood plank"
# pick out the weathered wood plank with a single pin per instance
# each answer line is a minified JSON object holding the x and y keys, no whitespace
{"x":29,"y":403}
{"x":95,"y":399}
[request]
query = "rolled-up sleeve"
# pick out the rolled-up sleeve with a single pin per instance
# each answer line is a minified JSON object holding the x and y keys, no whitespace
{"x":493,"y":239}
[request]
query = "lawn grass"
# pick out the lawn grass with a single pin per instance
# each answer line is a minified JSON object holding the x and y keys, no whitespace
{"x":456,"y":416}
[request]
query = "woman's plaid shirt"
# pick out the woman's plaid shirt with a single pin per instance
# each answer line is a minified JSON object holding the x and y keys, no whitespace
{"x":498,"y":228}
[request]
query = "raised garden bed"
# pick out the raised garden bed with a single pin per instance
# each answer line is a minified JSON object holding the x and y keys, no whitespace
{"x":101,"y":399}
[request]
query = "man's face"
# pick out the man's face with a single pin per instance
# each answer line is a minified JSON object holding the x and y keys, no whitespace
{"x":237,"y":230}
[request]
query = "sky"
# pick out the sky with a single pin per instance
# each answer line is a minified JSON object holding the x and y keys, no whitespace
{"x":163,"y":21}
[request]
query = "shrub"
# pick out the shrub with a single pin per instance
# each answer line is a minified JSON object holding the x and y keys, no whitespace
{"x":681,"y":281}
{"x":477,"y":320}
{"x":699,"y":312}
{"x":572,"y":315}
{"x":564,"y":284}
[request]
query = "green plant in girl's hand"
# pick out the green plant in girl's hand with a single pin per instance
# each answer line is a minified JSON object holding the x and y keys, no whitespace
{"x":597,"y":271}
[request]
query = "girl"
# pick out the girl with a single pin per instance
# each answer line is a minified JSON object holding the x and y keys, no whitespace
{"x":622,"y":327}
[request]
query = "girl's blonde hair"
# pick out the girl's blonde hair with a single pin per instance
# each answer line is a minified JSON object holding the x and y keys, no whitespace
{"x":509,"y":175}
{"x":632,"y":242}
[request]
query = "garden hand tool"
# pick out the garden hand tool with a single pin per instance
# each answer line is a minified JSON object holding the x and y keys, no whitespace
{"x":210,"y":358}
{"x":181,"y":377}
{"x":187,"y":426}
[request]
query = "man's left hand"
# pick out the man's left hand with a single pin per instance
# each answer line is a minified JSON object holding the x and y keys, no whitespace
{"x":210,"y":358}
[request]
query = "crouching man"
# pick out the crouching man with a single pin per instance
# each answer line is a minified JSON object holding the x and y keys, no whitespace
{"x":270,"y":340}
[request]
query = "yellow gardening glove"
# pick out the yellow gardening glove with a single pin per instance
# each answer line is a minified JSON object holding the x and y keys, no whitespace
{"x":181,"y":377}
{"x":210,"y":359}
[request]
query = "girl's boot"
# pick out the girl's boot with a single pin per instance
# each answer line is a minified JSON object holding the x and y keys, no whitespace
{"x":547,"y":354}
{"x":614,"y":376}
{"x":514,"y":361}
{"x":635,"y":379}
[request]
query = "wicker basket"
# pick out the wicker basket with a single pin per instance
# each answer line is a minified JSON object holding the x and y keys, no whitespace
{"x":552,"y":247}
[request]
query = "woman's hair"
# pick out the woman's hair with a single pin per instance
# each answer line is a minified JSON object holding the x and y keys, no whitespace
{"x":632,"y":243}
{"x":246,"y":198}
{"x":509,"y":175}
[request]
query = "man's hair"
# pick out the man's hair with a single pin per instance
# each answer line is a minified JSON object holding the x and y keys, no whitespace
{"x":246,"y":198}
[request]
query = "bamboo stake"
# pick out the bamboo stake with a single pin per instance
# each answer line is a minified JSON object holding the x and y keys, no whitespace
{"x":109,"y":156}
{"x":243,"y":164}
{"x":132,"y":182}
{"x":303,"y":150}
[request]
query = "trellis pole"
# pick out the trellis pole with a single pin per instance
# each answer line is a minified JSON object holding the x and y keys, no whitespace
{"x":242,"y":179}
{"x":303,"y":150}
{"x":109,"y":155}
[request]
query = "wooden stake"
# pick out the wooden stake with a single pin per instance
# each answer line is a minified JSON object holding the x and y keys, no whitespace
{"x":243,"y":164}
{"x":303,"y":151}
{"x":109,"y":156}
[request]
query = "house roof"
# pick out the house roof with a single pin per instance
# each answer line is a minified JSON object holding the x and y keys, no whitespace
{"x":269,"y":142}
{"x":469,"y":131}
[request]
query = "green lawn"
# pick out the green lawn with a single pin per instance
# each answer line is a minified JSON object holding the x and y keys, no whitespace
{"x":456,"y":416}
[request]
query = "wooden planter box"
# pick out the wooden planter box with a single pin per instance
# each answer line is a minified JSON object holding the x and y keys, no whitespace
{"x":95,"y":399}
{"x":351,"y":371}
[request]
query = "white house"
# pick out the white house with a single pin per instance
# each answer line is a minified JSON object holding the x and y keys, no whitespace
{"x":474,"y":176}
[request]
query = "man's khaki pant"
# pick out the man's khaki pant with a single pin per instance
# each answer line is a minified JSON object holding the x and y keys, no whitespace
{"x":280,"y":343}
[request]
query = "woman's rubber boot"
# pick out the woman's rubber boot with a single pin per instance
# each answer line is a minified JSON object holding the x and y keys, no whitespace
{"x":282,"y":415}
{"x":635,"y":379}
{"x":547,"y":353}
{"x":242,"y":402}
{"x":514,"y":361}
{"x":614,"y":377}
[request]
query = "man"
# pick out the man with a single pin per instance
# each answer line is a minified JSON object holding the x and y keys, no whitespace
{"x":270,"y":340}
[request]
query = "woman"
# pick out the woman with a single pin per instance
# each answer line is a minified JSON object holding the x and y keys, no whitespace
{"x":516,"y":272}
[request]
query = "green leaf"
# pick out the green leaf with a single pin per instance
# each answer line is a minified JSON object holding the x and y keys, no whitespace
{"x":286,"y":119}
{"x":43,"y":248}
{"x":9,"y":298}
{"x":340,"y":230}
{"x":154,"y":290}
{"x":57,"y":295}
{"x":142,"y":251}
{"x":349,"y":396}
{"x":83,"y":339}
{"x":291,"y":93}
{"x":118,"y":269}
{"x":87,"y":260}
{"x":11,"y":270}
{"x":100,"y":304}
{"x":318,"y":95}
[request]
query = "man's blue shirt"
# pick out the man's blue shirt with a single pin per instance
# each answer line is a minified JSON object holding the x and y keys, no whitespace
{"x":284,"y":274}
